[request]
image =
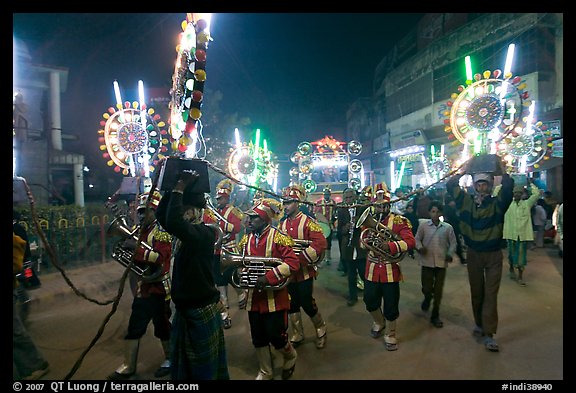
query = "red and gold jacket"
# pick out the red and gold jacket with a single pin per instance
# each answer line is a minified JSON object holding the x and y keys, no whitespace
{"x":234,"y":225}
{"x":377,"y":268}
{"x":271,"y":243}
{"x":327,"y":208}
{"x":161,"y":242}
{"x":305,"y":228}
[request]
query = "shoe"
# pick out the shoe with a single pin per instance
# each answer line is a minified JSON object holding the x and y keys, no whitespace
{"x":351,"y":302}
{"x":491,"y":344}
{"x":437,"y":322}
{"x":521,"y":282}
{"x":227,"y":323}
{"x":425,"y":306}
{"x":162,"y":372}
{"x":375,"y":332}
{"x":512,"y":276}
{"x":478,"y":332}
{"x":38,"y":373}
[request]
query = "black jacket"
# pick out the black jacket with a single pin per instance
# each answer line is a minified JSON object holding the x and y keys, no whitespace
{"x":192,"y":279}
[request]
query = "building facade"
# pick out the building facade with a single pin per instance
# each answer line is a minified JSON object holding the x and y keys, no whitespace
{"x":414,"y":82}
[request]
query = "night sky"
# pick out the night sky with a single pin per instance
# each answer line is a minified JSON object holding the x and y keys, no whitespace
{"x":293,"y":75}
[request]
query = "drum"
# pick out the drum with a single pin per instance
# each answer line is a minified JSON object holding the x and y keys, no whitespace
{"x":325,"y":228}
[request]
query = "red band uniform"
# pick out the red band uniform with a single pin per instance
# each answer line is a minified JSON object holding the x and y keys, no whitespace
{"x":382,"y":284}
{"x":231,"y":226}
{"x":268,"y":308}
{"x":325,"y":212}
{"x":151,"y":299}
{"x":301,"y":287}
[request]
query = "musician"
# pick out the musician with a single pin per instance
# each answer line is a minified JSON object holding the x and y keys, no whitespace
{"x":151,"y":299}
{"x":299,"y":226}
{"x":383,"y":275}
{"x":197,"y":339}
{"x":231,"y":226}
{"x":353,"y":257}
{"x":268,"y":308}
{"x":325,"y":212}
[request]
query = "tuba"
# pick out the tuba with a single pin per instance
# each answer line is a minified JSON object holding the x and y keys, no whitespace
{"x":375,"y":235}
{"x":119,"y":227}
{"x":248,"y":269}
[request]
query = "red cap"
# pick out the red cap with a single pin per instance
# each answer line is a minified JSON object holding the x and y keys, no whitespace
{"x":267,"y":209}
{"x":295,"y":192}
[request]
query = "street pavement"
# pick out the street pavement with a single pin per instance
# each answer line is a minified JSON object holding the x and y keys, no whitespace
{"x":530,"y":331}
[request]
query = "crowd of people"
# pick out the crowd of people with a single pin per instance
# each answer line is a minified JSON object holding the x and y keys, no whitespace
{"x":198,"y":250}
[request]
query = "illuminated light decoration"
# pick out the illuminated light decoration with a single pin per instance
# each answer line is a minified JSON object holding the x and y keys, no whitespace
{"x":488,"y":108}
{"x":354,"y":148}
{"x":188,"y":85}
{"x":309,"y":185}
{"x":524,"y":151}
{"x":327,"y":154}
{"x":437,"y":163}
{"x":305,"y":148}
{"x":252,"y":164}
{"x":132,"y":136}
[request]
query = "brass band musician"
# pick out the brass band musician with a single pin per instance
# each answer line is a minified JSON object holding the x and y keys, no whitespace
{"x":325,"y":212}
{"x":299,"y":226}
{"x":268,"y":308}
{"x":151,"y":299}
{"x":353,"y":257}
{"x":231,"y":226}
{"x":383,"y":276}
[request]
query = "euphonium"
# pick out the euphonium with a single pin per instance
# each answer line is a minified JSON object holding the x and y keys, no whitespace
{"x":375,"y":235}
{"x":248,"y":268}
{"x":119,"y":227}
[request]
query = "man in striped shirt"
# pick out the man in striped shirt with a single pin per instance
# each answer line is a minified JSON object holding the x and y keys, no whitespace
{"x":481,"y":223}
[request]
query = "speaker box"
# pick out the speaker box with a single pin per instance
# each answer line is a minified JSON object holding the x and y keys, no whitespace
{"x":174,"y":166}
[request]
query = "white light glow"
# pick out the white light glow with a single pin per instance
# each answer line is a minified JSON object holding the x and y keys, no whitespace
{"x":530,"y":118}
{"x":509,"y":59}
{"x":392,"y":179}
{"x":237,"y":138}
{"x":468,"y":64}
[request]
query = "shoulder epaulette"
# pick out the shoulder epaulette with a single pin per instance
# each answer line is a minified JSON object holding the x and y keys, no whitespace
{"x":243,"y":242}
{"x":237,"y":212}
{"x":283,"y":240}
{"x":161,"y":235}
{"x":398,"y":219}
{"x":314,"y":226}
{"x":210,"y":214}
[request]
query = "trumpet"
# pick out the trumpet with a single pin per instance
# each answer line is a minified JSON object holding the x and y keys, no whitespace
{"x":248,"y":269}
{"x":301,"y":245}
{"x":210,"y":206}
{"x":119,"y":227}
{"x":375,"y":235}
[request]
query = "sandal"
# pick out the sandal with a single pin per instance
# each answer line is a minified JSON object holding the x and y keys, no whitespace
{"x":478,"y":332}
{"x":521,"y":283}
{"x":491,"y":344}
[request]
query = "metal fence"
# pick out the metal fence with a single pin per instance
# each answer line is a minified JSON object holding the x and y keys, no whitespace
{"x":77,"y":238}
